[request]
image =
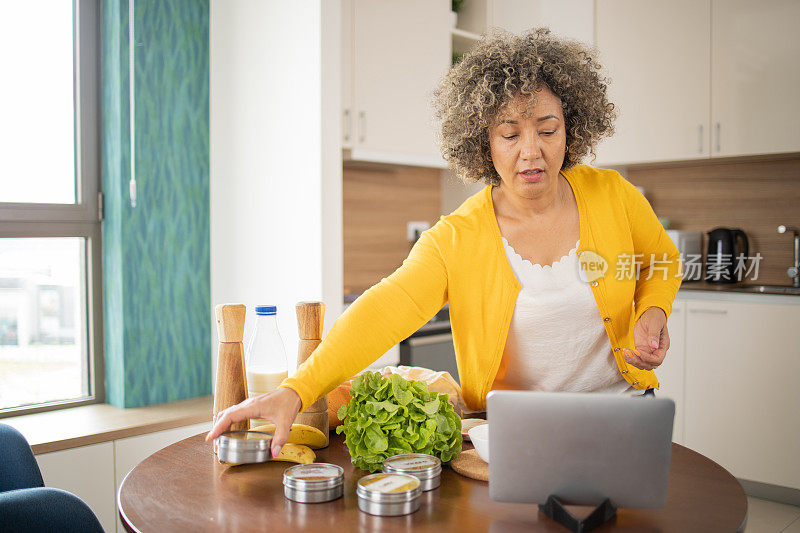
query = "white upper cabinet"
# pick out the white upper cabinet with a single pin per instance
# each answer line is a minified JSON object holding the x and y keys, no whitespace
{"x":399,"y":50}
{"x":658,"y":58}
{"x":755,"y":77}
{"x":694,"y":79}
{"x":573,"y":19}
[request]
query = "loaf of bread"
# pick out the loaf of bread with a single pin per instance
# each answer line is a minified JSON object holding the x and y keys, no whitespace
{"x":437,"y":381}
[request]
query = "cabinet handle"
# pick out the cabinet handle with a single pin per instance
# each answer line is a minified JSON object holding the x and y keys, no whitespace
{"x":362,"y":126}
{"x":710,"y":311}
{"x":718,"y":147}
{"x":700,"y":139}
{"x":348,"y":125}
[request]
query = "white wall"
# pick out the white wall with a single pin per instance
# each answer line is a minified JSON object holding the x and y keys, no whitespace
{"x":332,"y":231}
{"x":276,"y":158}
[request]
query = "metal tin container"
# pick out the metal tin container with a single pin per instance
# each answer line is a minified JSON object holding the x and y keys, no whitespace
{"x":388,"y":494}
{"x":241,"y":447}
{"x":313,"y":483}
{"x":426,"y":468}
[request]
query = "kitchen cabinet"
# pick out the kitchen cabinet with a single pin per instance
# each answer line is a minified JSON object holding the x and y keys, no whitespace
{"x":472,"y":20}
{"x":573,"y":19}
{"x":398,"y":52}
{"x":754,"y":78}
{"x":88,"y":473}
{"x":671,"y":372}
{"x":722,"y":85}
{"x":658,"y":58}
{"x":395,"y":53}
{"x":95,"y":472}
{"x":741,"y":396}
{"x":347,"y":74}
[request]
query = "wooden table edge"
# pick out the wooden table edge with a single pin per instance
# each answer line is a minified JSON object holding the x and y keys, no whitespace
{"x":128,"y":526}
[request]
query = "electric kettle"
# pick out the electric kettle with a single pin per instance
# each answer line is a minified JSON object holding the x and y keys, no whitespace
{"x":724,"y":255}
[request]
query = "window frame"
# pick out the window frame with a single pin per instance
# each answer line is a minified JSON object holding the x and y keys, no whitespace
{"x":84,"y":217}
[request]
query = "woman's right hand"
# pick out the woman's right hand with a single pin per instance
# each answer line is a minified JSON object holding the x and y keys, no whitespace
{"x":279,"y":407}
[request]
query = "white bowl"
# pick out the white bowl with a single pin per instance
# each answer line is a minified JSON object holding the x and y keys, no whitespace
{"x":479,"y":435}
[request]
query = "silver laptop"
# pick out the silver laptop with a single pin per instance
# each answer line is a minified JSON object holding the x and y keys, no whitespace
{"x":581,"y":448}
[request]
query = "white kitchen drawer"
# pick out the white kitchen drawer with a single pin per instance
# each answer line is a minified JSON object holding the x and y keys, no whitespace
{"x":742,"y":360}
{"x":87,"y":472}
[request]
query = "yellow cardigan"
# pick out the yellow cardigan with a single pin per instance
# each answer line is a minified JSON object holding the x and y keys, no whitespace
{"x":461,"y":260}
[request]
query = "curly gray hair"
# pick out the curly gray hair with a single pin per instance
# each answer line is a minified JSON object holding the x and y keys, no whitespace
{"x":502,"y":65}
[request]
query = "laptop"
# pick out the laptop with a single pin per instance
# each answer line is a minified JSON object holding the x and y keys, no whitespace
{"x":581,"y":448}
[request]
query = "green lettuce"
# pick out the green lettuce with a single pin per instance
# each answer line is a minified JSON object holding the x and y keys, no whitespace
{"x":389,"y":416}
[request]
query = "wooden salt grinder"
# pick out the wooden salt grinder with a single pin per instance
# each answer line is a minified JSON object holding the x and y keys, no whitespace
{"x":231,"y":387}
{"x":310,"y":317}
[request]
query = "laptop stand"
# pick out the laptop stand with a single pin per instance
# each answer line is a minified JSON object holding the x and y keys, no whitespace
{"x":556,"y":510}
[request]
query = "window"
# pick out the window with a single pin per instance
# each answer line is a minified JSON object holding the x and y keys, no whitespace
{"x":50,"y":257}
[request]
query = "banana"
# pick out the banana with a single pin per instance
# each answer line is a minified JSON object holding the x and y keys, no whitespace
{"x":299,"y":434}
{"x":296,"y":453}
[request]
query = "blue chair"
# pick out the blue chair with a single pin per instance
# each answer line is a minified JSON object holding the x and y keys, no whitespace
{"x":26,"y":505}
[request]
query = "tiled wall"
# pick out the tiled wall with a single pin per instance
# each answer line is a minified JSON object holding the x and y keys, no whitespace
{"x":156,"y":255}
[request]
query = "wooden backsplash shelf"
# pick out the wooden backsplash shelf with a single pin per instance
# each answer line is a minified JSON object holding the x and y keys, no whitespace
{"x":378,"y":203}
{"x":754,"y":195}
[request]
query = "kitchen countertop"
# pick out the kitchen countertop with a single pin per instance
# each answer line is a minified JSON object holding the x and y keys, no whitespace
{"x":443,"y":324}
{"x":746,"y":288}
{"x":736,"y":287}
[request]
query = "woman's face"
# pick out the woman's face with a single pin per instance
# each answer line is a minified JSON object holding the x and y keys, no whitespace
{"x":528,"y":144}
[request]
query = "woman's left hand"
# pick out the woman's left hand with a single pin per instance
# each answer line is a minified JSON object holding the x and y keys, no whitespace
{"x":651,"y":339}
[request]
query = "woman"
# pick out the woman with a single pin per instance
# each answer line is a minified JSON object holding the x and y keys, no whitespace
{"x":518,"y":113}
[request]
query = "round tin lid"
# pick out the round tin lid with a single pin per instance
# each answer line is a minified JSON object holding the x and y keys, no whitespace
{"x":420,"y":465}
{"x":388,"y":488}
{"x":313,"y":476}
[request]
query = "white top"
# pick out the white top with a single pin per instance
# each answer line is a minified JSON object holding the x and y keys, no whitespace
{"x":557,"y":341}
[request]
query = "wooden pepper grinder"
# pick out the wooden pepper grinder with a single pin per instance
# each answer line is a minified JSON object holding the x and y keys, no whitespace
{"x":231,"y":387}
{"x":310,"y":317}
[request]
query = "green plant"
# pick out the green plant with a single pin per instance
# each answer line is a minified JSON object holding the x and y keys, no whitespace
{"x":390,"y":416}
{"x":456,"y":5}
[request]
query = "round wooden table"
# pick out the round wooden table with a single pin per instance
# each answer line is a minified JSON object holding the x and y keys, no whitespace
{"x":184,"y":488}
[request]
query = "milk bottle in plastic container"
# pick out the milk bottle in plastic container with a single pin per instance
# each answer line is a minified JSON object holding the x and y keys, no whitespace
{"x":265,"y":364}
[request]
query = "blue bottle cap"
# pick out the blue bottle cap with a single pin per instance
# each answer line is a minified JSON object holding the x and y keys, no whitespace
{"x":266,"y":309}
